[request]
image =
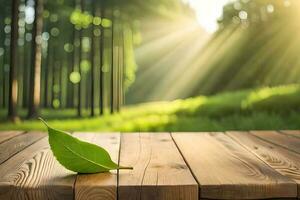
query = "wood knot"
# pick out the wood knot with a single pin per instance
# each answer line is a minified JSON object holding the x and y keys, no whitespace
{"x":156,"y":166}
{"x":165,"y":140}
{"x":178,"y":166}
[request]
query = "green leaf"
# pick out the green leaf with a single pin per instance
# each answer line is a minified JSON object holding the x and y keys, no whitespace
{"x":77,"y":155}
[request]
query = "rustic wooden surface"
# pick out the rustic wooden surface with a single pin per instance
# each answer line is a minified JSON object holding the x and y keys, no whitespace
{"x":159,"y":170}
{"x":285,"y":162}
{"x":226,"y":170}
{"x":167,"y":166}
{"x":10,"y":147}
{"x":6,"y":135}
{"x":102,"y":186}
{"x":292,"y":133}
{"x":35,"y":174}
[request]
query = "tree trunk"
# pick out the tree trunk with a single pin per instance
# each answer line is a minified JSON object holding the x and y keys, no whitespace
{"x":53,"y":71}
{"x":35,"y":72}
{"x":80,"y":59}
{"x":13,"y":78}
{"x":47,"y":71}
{"x":75,"y":68}
{"x":2,"y":37}
{"x":112,"y":65}
{"x":117,"y":70}
{"x":123,"y":69}
{"x":93,"y":46}
{"x":1,"y":81}
{"x":60,"y":83}
{"x":101,"y":95}
{"x":6,"y":73}
{"x":27,"y":51}
{"x":70,"y":93}
{"x":121,"y":66}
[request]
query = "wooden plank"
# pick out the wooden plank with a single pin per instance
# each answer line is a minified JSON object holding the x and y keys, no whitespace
{"x":34,"y":173}
{"x":159,"y":173}
{"x":6,"y":135}
{"x":291,"y":133}
{"x":287,"y":141}
{"x":282,"y":160}
{"x":16,"y":144}
{"x":264,"y":199}
{"x":101,"y":186}
{"x":226,"y":170}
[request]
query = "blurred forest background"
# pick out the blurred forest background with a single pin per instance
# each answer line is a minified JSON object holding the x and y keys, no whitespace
{"x":149,"y":65}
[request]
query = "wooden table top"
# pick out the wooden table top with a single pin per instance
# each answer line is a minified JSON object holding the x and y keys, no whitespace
{"x":167,"y":166}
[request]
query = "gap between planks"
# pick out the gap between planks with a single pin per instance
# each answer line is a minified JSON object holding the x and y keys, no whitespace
{"x":35,"y":174}
{"x":7,"y":135}
{"x":36,"y":150}
{"x":150,"y":154}
{"x":188,"y":165}
{"x":42,"y":176}
{"x":100,"y":186}
{"x":280,"y":159}
{"x":159,"y":169}
{"x":119,"y":151}
{"x":232,"y":180}
{"x":19,"y":142}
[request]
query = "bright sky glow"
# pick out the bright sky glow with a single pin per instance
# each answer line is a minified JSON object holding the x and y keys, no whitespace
{"x":208,"y":11}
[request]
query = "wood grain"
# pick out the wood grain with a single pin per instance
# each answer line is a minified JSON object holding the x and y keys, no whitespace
{"x":17,"y":144}
{"x":101,"y":186}
{"x":226,"y":170}
{"x":159,"y":173}
{"x":292,"y":133}
{"x":282,"y":160}
{"x":34,"y":173}
{"x":6,"y":135}
{"x":287,"y":141}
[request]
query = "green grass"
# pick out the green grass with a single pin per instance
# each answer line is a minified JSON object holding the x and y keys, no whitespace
{"x":257,"y":109}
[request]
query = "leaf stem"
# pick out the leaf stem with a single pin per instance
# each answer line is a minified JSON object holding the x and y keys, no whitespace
{"x":131,"y":168}
{"x":44,"y":122}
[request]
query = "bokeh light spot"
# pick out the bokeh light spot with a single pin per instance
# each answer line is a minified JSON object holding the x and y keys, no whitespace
{"x":106,"y":23}
{"x":85,"y":65}
{"x":56,"y":103}
{"x":68,"y":47}
{"x":54,"y":32}
{"x":97,"y":21}
{"x":75,"y":77}
{"x":270,"y":8}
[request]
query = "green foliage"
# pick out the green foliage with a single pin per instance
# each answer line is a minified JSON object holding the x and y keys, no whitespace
{"x":261,"y":108}
{"x":67,"y":45}
{"x":130,"y":64}
{"x":251,"y":49}
{"x":85,"y":19}
{"x":240,"y":12}
{"x":82,"y":19}
{"x":77,"y":155}
{"x":106,"y":23}
{"x":281,"y":99}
